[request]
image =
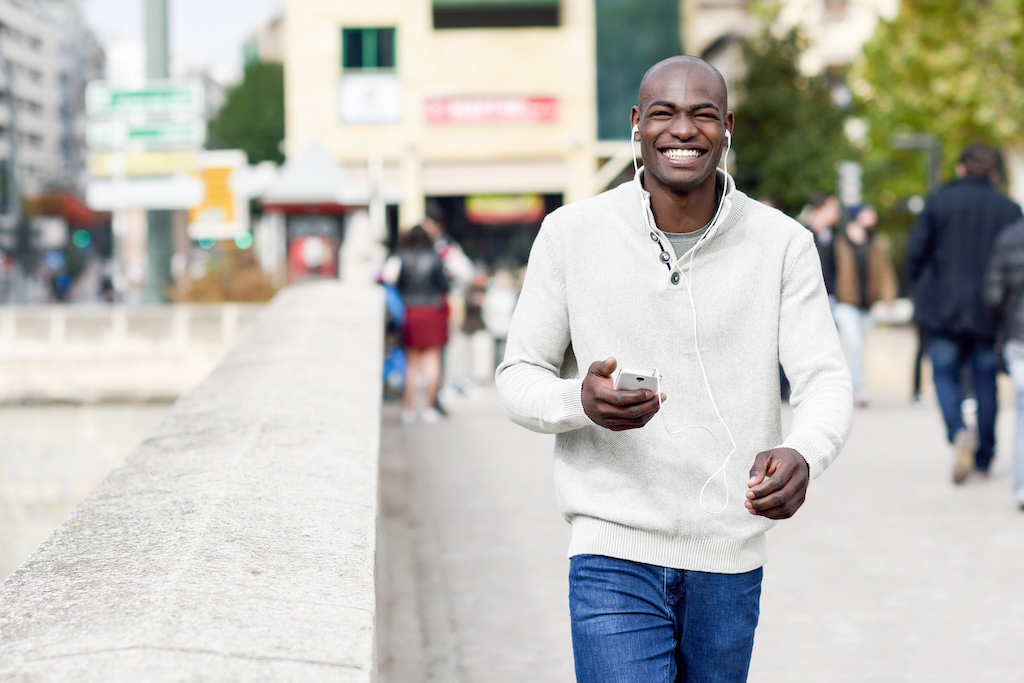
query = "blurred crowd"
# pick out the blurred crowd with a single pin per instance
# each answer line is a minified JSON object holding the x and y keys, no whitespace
{"x":432,"y":289}
{"x":964,"y":273}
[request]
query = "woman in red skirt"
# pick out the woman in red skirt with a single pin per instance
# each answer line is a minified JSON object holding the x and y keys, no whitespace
{"x":423,"y":286}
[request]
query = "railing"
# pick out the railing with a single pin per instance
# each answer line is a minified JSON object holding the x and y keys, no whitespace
{"x":90,"y":353}
{"x":237,"y":542}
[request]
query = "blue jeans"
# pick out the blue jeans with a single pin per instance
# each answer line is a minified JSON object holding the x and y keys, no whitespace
{"x":1014,"y":354}
{"x":639,"y":623}
{"x":854,"y":323}
{"x":949,"y":354}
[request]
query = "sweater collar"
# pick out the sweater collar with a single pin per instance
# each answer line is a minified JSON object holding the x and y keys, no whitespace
{"x":729,"y":194}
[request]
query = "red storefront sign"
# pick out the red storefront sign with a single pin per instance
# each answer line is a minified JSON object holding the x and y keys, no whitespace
{"x":491,"y":110}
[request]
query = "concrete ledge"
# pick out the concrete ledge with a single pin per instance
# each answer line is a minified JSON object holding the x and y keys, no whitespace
{"x":238,"y":542}
{"x":114,"y":353}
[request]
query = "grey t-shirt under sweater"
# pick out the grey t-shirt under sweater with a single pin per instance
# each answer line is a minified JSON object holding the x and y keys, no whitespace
{"x":682,"y":242}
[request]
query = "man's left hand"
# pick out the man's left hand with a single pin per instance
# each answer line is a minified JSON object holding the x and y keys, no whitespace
{"x":778,"y":483}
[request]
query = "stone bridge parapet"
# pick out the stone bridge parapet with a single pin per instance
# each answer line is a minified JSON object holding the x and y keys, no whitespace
{"x":238,"y":542}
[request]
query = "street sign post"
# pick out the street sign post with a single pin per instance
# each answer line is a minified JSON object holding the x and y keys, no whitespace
{"x":116,"y":135}
{"x":156,"y":99}
{"x":131,"y":164}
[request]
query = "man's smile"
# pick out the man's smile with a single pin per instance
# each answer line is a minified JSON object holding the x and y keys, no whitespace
{"x":682,"y":156}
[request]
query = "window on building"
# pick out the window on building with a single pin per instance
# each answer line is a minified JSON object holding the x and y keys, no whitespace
{"x":495,"y":13}
{"x":367,"y":48}
{"x":630,"y":37}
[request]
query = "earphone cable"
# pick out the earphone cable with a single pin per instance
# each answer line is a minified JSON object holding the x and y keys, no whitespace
{"x":693,"y":307}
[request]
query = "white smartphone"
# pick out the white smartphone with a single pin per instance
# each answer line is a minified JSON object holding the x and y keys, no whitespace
{"x":628,"y":379}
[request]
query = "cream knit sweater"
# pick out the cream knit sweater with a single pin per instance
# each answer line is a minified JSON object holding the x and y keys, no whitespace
{"x":595,"y":288}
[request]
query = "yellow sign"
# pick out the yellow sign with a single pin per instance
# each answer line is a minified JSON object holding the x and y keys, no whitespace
{"x":219,"y":204}
{"x":142,"y":163}
{"x":224,"y":211}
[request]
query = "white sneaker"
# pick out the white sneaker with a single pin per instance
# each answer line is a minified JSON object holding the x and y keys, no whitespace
{"x":431,"y":415}
{"x":408,"y":417}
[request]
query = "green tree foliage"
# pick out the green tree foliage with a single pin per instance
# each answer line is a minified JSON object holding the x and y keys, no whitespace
{"x":789,"y":134}
{"x":252,"y":118}
{"x":953,"y":69}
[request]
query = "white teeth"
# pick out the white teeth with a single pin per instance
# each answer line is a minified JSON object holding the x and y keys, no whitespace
{"x":682,"y":153}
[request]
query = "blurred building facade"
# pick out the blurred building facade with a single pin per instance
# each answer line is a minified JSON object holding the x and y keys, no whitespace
{"x":484,"y":108}
{"x":266,"y":44}
{"x":47,"y":57}
{"x":449,"y":99}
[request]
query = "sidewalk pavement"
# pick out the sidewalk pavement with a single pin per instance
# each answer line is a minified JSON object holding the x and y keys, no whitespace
{"x":888,"y":572}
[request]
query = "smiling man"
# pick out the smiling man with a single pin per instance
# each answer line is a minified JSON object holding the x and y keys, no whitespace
{"x":676,"y":270}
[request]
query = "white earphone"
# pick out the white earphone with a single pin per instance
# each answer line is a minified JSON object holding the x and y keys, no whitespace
{"x":696,"y":346}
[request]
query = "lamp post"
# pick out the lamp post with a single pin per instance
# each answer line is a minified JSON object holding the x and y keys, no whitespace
{"x":159,"y":238}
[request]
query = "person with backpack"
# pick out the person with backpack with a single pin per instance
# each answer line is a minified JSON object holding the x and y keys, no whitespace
{"x":418,"y":274}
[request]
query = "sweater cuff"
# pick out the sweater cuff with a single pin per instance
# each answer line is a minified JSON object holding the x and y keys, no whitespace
{"x":816,"y":464}
{"x":572,"y":404}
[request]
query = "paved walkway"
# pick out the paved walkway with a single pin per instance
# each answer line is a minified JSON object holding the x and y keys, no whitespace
{"x":888,"y":573}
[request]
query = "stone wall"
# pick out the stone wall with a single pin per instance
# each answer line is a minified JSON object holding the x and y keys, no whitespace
{"x":237,"y":542}
{"x":114,"y":353}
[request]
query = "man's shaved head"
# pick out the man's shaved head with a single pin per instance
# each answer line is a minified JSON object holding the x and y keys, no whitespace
{"x":683,"y":124}
{"x":680,"y":64}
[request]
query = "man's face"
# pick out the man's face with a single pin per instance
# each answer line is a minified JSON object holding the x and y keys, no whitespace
{"x":682,"y":119}
{"x":831,"y":211}
{"x":432,"y":227}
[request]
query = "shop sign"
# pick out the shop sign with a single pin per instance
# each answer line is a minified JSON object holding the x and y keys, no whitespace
{"x":369,"y":98}
{"x":491,"y":110}
{"x":504,"y":209}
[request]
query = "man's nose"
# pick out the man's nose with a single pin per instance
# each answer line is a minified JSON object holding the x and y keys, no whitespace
{"x":683,"y":127}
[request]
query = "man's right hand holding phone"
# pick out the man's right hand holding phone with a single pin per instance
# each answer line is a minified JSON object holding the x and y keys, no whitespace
{"x":612,"y":409}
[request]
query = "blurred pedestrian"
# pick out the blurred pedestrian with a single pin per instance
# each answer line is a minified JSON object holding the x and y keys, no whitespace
{"x":1004,"y":291}
{"x":680,"y":271}
{"x":420,"y":279}
{"x":947,"y":256}
{"x":821,"y":219}
{"x":478,"y":340}
{"x":457,"y":268}
{"x":864,"y":276}
{"x":498,"y":306}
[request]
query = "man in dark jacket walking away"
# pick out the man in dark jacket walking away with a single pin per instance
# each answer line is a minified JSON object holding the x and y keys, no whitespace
{"x":947,"y":257}
{"x":1004,"y":291}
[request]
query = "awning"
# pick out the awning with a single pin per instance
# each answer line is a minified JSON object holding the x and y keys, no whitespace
{"x":65,"y":204}
{"x":313,"y":181}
